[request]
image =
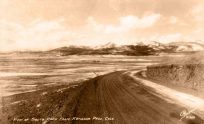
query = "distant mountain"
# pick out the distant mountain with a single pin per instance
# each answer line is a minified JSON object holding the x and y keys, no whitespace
{"x":187,"y":46}
{"x":136,"y":50}
{"x":71,"y":50}
{"x":107,"y":45}
{"x":153,"y":48}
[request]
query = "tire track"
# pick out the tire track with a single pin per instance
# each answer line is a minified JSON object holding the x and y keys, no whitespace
{"x":115,"y":95}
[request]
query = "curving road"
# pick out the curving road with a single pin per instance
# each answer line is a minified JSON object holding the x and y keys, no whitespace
{"x":118,"y":99}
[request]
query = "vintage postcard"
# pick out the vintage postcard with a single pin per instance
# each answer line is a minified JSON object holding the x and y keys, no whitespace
{"x":101,"y":62}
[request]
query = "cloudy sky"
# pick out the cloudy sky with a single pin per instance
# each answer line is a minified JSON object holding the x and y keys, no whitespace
{"x":46,"y":24}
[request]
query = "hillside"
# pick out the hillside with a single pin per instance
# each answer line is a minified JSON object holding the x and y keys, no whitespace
{"x":153,"y":48}
{"x":185,"y":73}
{"x":187,"y":46}
{"x":138,"y":50}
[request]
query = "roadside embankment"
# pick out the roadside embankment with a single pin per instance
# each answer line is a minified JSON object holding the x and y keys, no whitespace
{"x":189,"y":76}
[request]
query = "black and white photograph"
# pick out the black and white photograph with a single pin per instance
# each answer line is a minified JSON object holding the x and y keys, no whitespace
{"x":101,"y":62}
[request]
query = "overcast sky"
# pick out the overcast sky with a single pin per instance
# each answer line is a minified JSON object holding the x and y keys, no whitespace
{"x":46,"y":24}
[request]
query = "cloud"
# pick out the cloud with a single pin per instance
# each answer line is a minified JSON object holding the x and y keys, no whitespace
{"x":196,"y":35}
{"x":169,"y":38}
{"x":126,"y":23}
{"x":37,"y":35}
{"x":163,"y":38}
{"x":173,"y":20}
{"x":198,"y":12}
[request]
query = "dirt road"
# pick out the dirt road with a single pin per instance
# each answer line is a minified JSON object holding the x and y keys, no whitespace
{"x":119,"y":97}
{"x":115,"y":98}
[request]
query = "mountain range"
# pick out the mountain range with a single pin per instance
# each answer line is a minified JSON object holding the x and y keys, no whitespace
{"x":140,"y":49}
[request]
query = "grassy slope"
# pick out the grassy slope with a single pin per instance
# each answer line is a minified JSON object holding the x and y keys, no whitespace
{"x":186,"y":72}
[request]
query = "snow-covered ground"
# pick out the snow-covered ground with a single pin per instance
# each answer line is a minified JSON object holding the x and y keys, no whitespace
{"x":24,"y":73}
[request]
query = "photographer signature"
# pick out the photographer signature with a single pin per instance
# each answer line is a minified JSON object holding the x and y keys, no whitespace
{"x":187,"y":114}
